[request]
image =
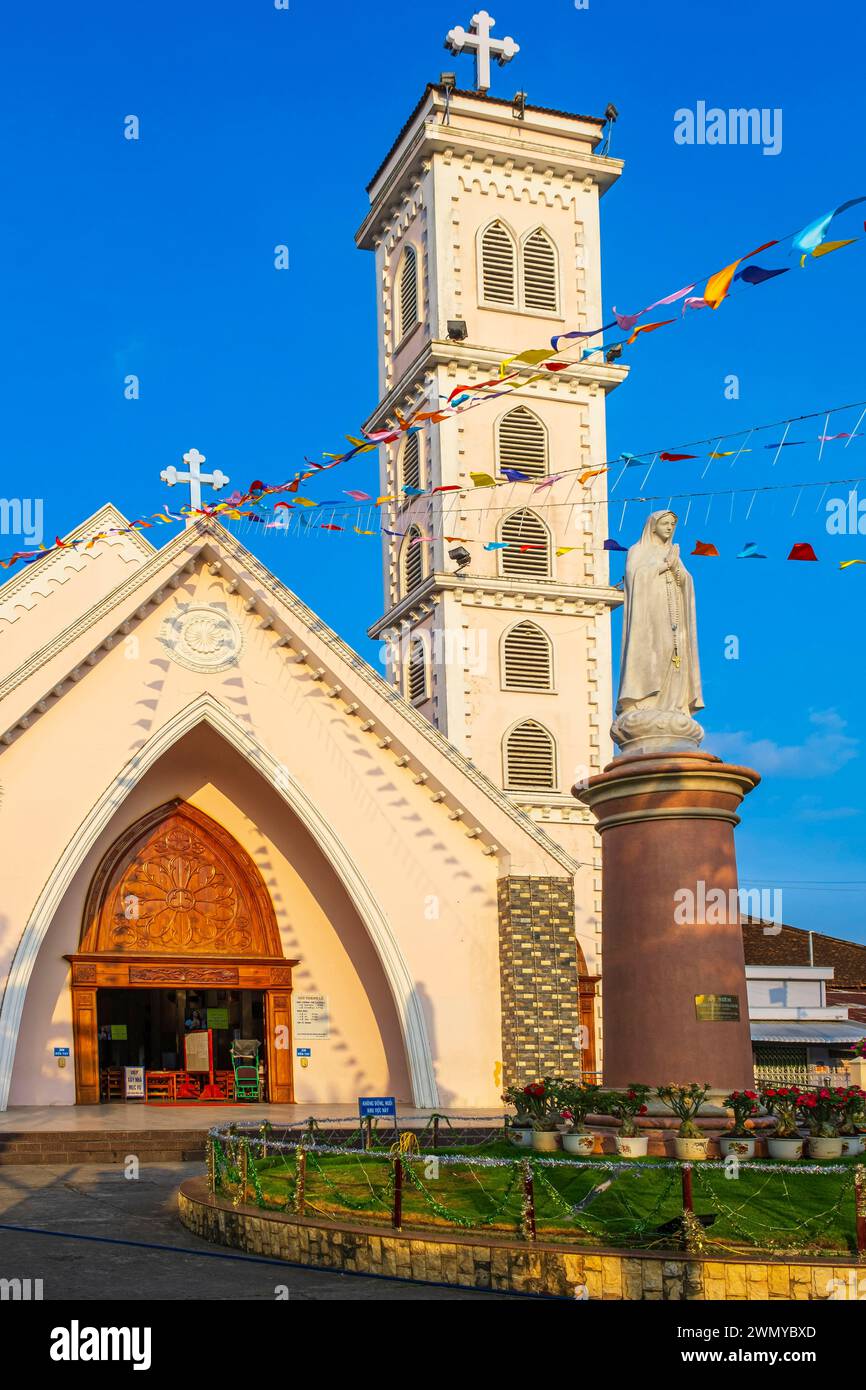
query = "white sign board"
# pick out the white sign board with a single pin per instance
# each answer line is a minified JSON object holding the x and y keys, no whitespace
{"x":133,"y":1083}
{"x":312,"y":1019}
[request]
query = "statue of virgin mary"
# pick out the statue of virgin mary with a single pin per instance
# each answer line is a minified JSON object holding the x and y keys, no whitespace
{"x":660,"y":671}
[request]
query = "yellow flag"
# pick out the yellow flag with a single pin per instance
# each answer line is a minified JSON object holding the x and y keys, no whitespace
{"x":826,"y":247}
{"x":482,"y":480}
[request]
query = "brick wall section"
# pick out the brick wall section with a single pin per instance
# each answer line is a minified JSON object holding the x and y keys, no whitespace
{"x":538,"y":979}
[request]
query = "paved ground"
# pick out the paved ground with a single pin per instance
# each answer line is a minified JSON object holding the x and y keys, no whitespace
{"x":95,"y":1201}
{"x":119,"y":1116}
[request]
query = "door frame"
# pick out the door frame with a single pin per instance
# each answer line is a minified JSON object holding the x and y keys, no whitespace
{"x":273,"y":979}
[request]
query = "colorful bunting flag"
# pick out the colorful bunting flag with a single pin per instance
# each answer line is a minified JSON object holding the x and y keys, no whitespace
{"x":802,"y":551}
{"x":705,"y":548}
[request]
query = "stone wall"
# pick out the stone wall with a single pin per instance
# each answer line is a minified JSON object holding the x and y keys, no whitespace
{"x":481,"y":1261}
{"x":538,"y":979}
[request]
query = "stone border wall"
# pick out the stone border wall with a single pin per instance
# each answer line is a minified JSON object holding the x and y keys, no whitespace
{"x":476,"y":1261}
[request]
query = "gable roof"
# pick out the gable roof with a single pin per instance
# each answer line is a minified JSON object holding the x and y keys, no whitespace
{"x":50,"y":670}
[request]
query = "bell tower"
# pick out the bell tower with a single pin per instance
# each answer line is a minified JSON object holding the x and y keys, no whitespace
{"x":484,"y":221}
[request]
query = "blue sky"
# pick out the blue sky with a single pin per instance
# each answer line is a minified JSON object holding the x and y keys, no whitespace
{"x":261,"y":126}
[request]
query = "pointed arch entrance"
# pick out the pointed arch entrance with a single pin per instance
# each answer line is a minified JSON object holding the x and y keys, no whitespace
{"x":177,"y":904}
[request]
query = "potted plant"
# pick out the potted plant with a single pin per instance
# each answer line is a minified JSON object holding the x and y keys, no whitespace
{"x":853,"y":1100}
{"x":686,"y":1102}
{"x":822,"y":1111}
{"x":542,"y":1104}
{"x":518,"y":1128}
{"x":626,"y":1106}
{"x":782,"y":1102}
{"x":738,"y":1140}
{"x":576,"y":1101}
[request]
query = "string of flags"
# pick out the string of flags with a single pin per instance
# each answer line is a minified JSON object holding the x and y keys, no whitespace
{"x":810,"y":242}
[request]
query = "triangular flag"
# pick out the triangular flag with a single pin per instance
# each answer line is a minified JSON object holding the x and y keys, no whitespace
{"x":802,"y":551}
{"x":750,"y":552}
{"x":675,"y":458}
{"x":482,"y":480}
{"x":613,"y":545}
{"x":705,"y":548}
{"x":829,"y":246}
{"x":846,"y":564}
{"x":514,"y":475}
{"x":565,"y":549}
{"x":591,"y":473}
{"x":718,"y":285}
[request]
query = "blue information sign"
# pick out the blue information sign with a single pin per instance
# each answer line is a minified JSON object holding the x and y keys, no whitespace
{"x":61,"y":1052}
{"x":304,"y":1051}
{"x":375,"y":1107}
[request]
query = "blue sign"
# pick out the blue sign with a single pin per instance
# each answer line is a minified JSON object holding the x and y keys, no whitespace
{"x":304,"y":1051}
{"x":376,"y":1107}
{"x":61,"y":1052}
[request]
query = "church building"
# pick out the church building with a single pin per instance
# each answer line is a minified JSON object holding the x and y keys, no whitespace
{"x":216,"y":815}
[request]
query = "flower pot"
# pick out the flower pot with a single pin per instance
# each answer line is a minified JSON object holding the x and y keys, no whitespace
{"x":740,"y":1145}
{"x":788,"y":1148}
{"x":691,"y":1150}
{"x":521,"y":1135}
{"x":632,"y":1146}
{"x":545,"y":1141}
{"x":851,"y":1144}
{"x":577,"y":1143}
{"x":824,"y":1148}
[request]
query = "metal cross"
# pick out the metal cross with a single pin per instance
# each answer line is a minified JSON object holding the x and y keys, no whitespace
{"x":478,"y":38}
{"x":193,"y":460}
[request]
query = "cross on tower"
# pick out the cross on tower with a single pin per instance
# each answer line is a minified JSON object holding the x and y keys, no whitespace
{"x":478,"y":38}
{"x":193,"y":460}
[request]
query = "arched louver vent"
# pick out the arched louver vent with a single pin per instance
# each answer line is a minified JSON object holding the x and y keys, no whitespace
{"x":416,"y":684}
{"x":522,"y":443}
{"x":410,"y":469}
{"x":526,"y":658}
{"x":413,"y":560}
{"x":498,"y":266}
{"x":408,"y":291}
{"x":530,"y":758}
{"x":540,"y":289}
{"x":528,"y":545}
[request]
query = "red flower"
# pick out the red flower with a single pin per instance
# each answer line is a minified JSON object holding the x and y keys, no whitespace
{"x":752,"y":1095}
{"x":644,"y":1110}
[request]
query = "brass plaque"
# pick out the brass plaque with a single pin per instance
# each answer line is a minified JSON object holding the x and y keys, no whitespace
{"x":717,"y":1008}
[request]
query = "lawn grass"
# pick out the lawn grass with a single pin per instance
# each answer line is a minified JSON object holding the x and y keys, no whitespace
{"x":641,"y":1206}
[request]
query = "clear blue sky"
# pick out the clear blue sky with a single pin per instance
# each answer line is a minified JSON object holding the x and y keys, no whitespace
{"x":262,"y":126}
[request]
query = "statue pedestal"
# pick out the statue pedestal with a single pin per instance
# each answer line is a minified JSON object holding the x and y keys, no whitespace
{"x":672,"y":967}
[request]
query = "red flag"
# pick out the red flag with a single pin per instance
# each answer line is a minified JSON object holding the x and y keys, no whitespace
{"x":705,"y":548}
{"x":675,"y":458}
{"x":802,"y":551}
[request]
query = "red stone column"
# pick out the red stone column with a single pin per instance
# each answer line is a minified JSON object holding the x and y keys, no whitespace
{"x":667,"y":825}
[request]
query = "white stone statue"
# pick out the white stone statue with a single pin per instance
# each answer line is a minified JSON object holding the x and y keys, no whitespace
{"x":660,"y":676}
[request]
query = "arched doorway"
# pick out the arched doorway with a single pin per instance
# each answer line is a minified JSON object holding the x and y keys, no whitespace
{"x":178,"y":907}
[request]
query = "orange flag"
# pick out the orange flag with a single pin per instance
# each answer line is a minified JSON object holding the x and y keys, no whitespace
{"x":706,"y":547}
{"x":647,"y":328}
{"x":719,"y":284}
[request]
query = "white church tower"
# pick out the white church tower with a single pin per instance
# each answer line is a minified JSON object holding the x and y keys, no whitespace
{"x":484,"y":219}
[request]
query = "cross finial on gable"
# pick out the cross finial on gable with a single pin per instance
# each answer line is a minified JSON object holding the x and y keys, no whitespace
{"x":193,"y":460}
{"x":479,"y":39}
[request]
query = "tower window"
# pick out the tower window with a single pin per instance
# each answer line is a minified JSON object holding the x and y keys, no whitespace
{"x":527,"y":659}
{"x":540,"y":278}
{"x":410,"y":462}
{"x":416,"y":680}
{"x":530,"y":758}
{"x":408,"y":292}
{"x":528,"y":551}
{"x":498,"y":266}
{"x":412,"y":558}
{"x":522,"y":442}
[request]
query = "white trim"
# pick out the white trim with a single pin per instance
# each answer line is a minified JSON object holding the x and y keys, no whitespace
{"x":206,"y":709}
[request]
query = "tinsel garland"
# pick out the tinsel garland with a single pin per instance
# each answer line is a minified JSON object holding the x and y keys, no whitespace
{"x":453,"y":1217}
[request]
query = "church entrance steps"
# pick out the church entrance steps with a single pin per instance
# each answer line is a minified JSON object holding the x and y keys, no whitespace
{"x":76,"y":1146}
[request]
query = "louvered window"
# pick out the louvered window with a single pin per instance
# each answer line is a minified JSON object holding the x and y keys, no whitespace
{"x":522,"y":443}
{"x":413,"y":560}
{"x":528,"y":545}
{"x":416,"y":683}
{"x":530,"y":758}
{"x":539,"y":273}
{"x":408,"y":292}
{"x":410,"y":469}
{"x":498,"y":266}
{"x":526,"y":659}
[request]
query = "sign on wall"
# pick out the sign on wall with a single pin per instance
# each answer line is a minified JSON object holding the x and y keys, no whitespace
{"x":217,"y":1018}
{"x":197,"y":1050}
{"x":312,"y":1018}
{"x":717,"y":1008}
{"x":377,"y":1107}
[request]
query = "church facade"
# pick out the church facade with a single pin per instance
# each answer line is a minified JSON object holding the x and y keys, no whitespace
{"x":216,"y":814}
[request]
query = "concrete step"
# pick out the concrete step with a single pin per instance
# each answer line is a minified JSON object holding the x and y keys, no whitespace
{"x":77,"y":1146}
